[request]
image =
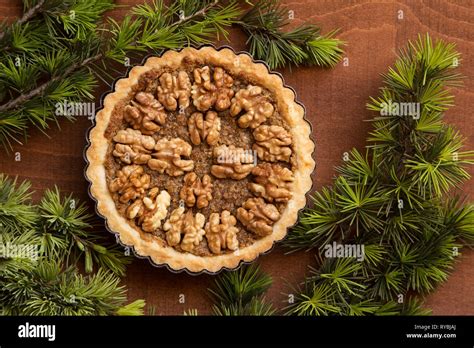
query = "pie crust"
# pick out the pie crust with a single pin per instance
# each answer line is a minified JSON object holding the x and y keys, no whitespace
{"x":148,"y":245}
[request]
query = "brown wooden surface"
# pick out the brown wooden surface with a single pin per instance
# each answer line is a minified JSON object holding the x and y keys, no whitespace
{"x":335,"y":103}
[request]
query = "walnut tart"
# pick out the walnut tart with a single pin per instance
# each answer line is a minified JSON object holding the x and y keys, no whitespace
{"x":200,"y":159}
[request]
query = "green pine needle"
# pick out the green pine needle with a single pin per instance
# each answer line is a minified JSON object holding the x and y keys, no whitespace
{"x":394,"y":199}
{"x":241,"y":292}
{"x":48,"y":282}
{"x":264,"y":24}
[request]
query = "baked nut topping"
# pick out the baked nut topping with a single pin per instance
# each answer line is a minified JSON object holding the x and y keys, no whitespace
{"x":200,"y":159}
{"x":174,"y":89}
{"x":174,"y":226}
{"x":133,"y":147}
{"x":221,"y":232}
{"x":145,"y":113}
{"x":130,"y":183}
{"x":256,"y":106}
{"x":272,"y":143}
{"x":258,"y":216}
{"x":272,"y":182}
{"x":188,"y":224}
{"x":196,"y":191}
{"x":207,"y":93}
{"x":233,"y":162}
{"x":193,"y":230}
{"x":201,"y":128}
{"x":167,"y":157}
{"x":157,"y":211}
{"x":137,"y":208}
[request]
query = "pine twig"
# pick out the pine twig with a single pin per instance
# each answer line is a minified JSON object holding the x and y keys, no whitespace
{"x":14,"y":103}
{"x":199,"y":13}
{"x":264,"y":25}
{"x":394,"y":200}
{"x":27,"y":15}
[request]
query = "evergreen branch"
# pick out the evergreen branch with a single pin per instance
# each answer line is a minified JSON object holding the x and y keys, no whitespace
{"x":46,"y":281}
{"x":200,"y":13}
{"x":16,"y":212}
{"x":46,"y":289}
{"x":393,"y":200}
{"x":66,"y":227}
{"x":264,"y":24}
{"x":38,"y":91}
{"x":32,"y":12}
{"x":241,"y":292}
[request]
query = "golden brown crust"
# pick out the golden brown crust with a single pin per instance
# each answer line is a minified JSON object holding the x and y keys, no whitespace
{"x":149,"y":245}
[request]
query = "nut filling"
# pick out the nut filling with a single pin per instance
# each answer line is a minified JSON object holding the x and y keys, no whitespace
{"x":200,"y":159}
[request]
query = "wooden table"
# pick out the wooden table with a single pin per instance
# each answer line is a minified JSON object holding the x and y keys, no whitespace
{"x":335,"y":102}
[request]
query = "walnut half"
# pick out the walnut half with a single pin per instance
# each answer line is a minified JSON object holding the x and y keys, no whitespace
{"x":167,"y":157}
{"x":221,"y":232}
{"x":257,"y":107}
{"x":130,"y":183}
{"x":132,"y":146}
{"x":191,"y":226}
{"x":207,"y":92}
{"x":145,"y":114}
{"x":157,"y":211}
{"x":272,"y":182}
{"x":272,"y":143}
{"x":258,"y":216}
{"x":232,"y":162}
{"x":174,"y":89}
{"x":201,"y":128}
{"x":196,"y":191}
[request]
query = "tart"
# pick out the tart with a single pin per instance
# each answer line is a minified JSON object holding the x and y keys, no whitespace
{"x":200,"y":159}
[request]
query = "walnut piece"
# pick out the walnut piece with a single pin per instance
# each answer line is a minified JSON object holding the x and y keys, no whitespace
{"x":256,"y":105}
{"x":189,"y":225}
{"x":157,"y":211}
{"x":150,"y":210}
{"x":201,"y":128}
{"x":232,"y":162}
{"x":145,"y":114}
{"x":174,"y":226}
{"x":167,"y":157}
{"x":272,"y":182}
{"x":221,"y":232}
{"x":130,"y":183}
{"x":272,"y":143}
{"x":193,"y":230}
{"x":174,"y":90}
{"x":207,"y":93}
{"x":133,"y":146}
{"x":137,"y":208}
{"x":258,"y":216}
{"x":196,"y":191}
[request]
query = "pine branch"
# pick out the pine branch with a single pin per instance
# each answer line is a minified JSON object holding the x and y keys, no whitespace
{"x":264,"y":24}
{"x":394,"y":200}
{"x":36,"y":86}
{"x":43,"y":278}
{"x":16,"y":211}
{"x":32,"y":12}
{"x":46,"y":289}
{"x":241,"y":292}
{"x":66,"y":230}
{"x":38,"y":91}
{"x":202,"y":12}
